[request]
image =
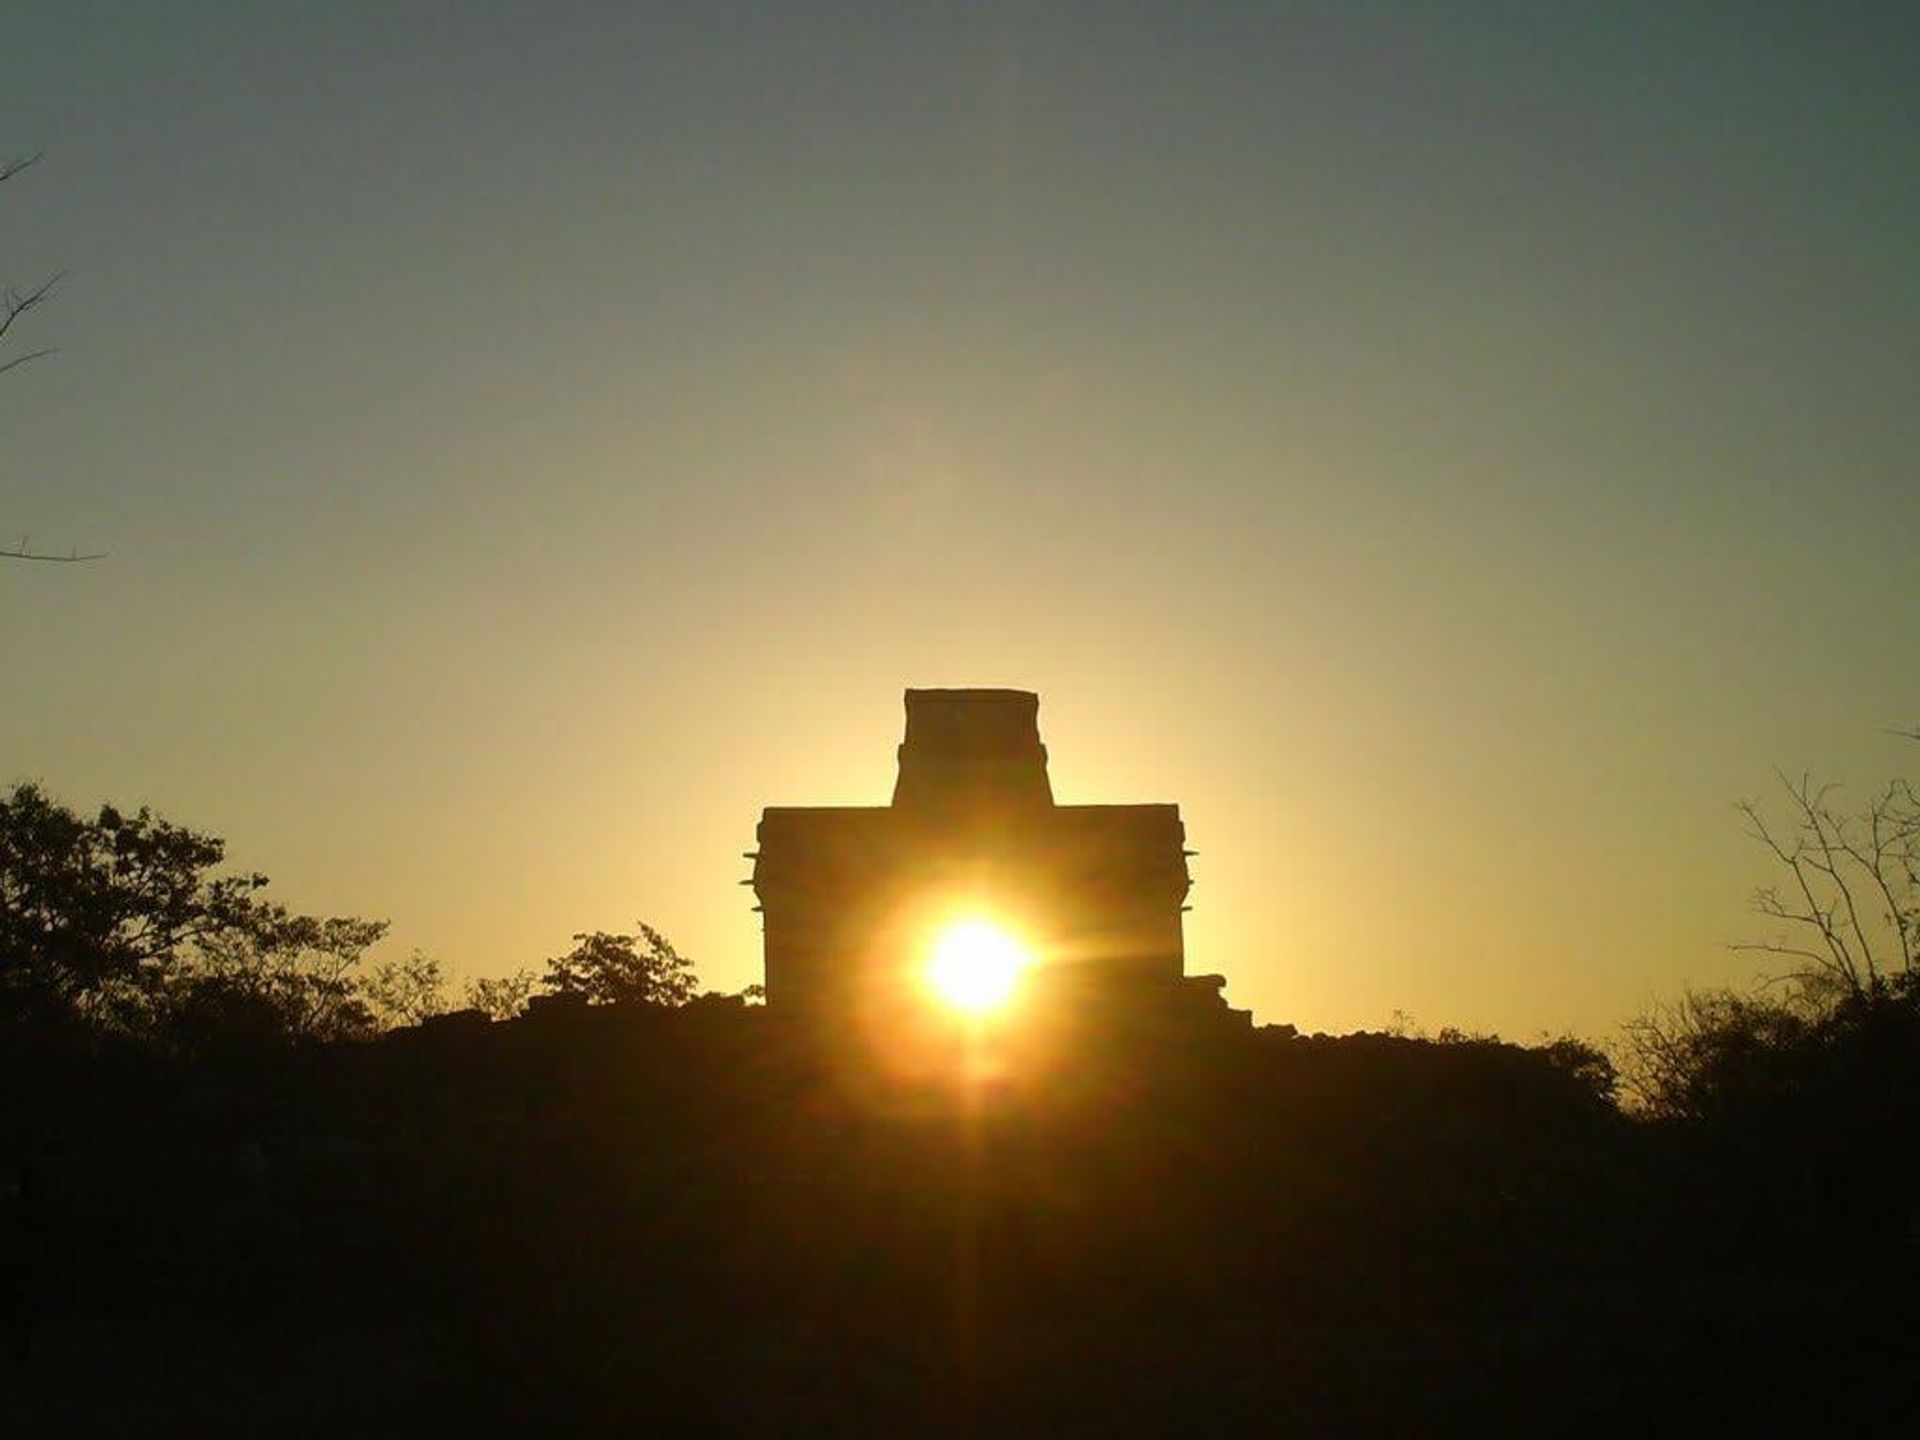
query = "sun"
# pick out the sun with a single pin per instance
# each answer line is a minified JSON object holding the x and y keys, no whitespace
{"x":975,"y":966}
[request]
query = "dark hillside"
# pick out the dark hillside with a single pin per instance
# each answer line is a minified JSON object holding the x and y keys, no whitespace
{"x":595,"y":1219}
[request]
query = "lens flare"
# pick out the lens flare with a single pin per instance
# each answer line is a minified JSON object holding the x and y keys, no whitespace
{"x":975,"y":966}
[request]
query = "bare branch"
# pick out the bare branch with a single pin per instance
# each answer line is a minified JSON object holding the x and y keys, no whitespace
{"x":1876,"y":860}
{"x":24,"y":551}
{"x":26,"y":162}
{"x":23,"y":359}
{"x":1821,"y":917}
{"x":1779,"y":947}
{"x":1856,"y":886}
{"x":1825,"y":827}
{"x":13,"y":304}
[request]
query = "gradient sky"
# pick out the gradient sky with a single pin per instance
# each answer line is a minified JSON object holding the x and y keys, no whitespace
{"x":1454,"y":451}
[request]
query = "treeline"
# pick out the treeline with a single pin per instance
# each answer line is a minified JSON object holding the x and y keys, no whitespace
{"x":637,"y":1210}
{"x":122,"y":928}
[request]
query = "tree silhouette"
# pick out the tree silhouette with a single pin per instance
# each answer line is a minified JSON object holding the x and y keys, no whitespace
{"x":120,"y":923}
{"x":1848,"y":910}
{"x":1714,"y":1052}
{"x":1789,"y":1107}
{"x":94,"y":912}
{"x":406,"y":992}
{"x":274,"y":976}
{"x":605,"y":969}
{"x":1850,"y":900}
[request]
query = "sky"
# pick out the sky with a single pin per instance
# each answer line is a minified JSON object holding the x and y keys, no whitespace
{"x":1455,"y":452}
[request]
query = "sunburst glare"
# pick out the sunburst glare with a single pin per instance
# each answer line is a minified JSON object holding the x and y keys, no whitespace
{"x":975,"y":966}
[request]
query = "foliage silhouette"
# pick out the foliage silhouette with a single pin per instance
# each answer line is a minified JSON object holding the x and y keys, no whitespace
{"x":121,"y":925}
{"x":605,"y":969}
{"x":93,"y":912}
{"x":406,"y":992}
{"x":1712,"y":1052}
{"x":501,"y":997}
{"x":278,"y":975}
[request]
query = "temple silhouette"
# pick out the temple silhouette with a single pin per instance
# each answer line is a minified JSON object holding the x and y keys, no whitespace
{"x":850,"y":894}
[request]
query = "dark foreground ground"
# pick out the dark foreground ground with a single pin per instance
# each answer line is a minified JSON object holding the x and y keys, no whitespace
{"x":686,"y":1224}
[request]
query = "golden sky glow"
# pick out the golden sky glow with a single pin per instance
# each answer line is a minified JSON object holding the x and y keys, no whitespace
{"x":1454,"y":461}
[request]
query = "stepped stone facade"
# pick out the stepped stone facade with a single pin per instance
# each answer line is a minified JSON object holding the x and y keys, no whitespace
{"x":851,"y":895}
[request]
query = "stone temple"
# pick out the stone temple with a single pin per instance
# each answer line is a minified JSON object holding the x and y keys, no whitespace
{"x":850,"y":895}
